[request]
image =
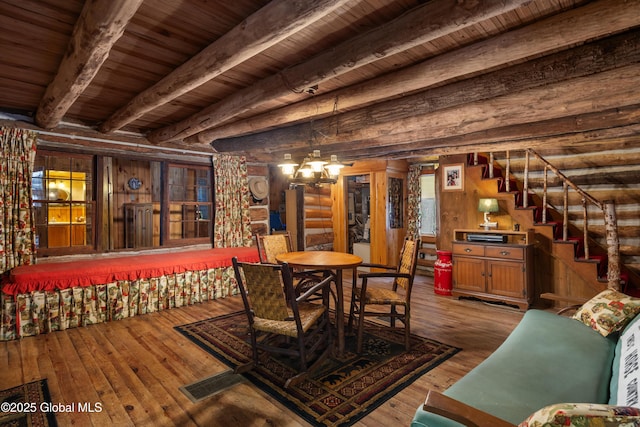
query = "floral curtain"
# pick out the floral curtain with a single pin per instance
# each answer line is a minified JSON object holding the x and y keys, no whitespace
{"x":232,"y":227}
{"x":17,"y":227}
{"x":413,"y":202}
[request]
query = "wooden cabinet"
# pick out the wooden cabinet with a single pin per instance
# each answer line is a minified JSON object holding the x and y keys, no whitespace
{"x":63,"y":235}
{"x":138,"y":225}
{"x":495,"y":271}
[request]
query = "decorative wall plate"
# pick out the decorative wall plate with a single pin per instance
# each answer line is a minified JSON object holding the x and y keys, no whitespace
{"x":134,"y":183}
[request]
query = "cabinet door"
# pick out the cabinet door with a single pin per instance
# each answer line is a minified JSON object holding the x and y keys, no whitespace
{"x":58,"y":235}
{"x":78,"y":235}
{"x":506,"y":278}
{"x":468,"y":274}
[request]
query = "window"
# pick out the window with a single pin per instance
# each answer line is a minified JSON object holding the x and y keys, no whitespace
{"x":63,"y":201}
{"x":190,"y":203}
{"x":427,"y":203}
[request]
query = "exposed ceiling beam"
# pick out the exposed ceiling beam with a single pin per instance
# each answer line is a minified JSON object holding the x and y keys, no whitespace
{"x":100,"y":25}
{"x":558,"y":32}
{"x":260,"y":31}
{"x":590,"y":94}
{"x":422,"y":24}
{"x":398,"y":115}
{"x":622,"y":126}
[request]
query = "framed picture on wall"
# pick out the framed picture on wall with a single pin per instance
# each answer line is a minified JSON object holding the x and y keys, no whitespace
{"x":396,"y":209}
{"x":452,"y":178}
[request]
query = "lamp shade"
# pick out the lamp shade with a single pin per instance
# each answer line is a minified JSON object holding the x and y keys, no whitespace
{"x":488,"y":205}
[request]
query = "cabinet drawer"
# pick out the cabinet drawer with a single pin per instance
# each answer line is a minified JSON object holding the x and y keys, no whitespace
{"x":464,"y":249}
{"x":508,"y":252}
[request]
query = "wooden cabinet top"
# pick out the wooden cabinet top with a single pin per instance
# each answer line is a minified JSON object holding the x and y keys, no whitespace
{"x":512,"y":237}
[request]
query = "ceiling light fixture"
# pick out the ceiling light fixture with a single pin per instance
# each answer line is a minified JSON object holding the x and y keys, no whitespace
{"x":313,"y":170}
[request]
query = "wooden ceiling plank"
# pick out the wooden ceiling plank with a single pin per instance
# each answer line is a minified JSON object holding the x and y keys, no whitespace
{"x":265,"y":28}
{"x":101,"y":24}
{"x":581,"y":131}
{"x":424,"y":23}
{"x":589,"y":22}
{"x":582,"y":95}
{"x":386,"y":118}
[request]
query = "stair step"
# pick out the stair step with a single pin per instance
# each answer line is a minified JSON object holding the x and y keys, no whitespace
{"x":557,"y":228}
{"x":601,"y":261}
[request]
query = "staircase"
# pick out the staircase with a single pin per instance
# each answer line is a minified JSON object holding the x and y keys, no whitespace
{"x":560,"y":242}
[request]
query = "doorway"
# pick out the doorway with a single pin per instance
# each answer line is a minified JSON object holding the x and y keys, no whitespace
{"x":359,"y":215}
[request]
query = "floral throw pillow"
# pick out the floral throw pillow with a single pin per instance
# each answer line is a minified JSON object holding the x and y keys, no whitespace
{"x":583,"y":415}
{"x":608,"y":312}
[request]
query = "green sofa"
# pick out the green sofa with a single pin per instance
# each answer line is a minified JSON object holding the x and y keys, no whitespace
{"x":547,"y":359}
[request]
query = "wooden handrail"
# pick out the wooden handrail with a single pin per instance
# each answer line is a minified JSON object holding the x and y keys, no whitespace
{"x":607,"y":207}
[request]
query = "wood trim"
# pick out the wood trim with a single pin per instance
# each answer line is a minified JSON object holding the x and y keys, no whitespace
{"x":469,"y":416}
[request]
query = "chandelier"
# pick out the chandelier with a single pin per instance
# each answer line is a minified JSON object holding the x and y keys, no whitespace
{"x":313,"y":170}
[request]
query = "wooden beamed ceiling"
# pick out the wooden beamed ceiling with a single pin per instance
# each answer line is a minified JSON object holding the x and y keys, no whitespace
{"x":358,"y":78}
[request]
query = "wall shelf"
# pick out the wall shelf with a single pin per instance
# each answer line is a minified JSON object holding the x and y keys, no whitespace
{"x":513,"y":237}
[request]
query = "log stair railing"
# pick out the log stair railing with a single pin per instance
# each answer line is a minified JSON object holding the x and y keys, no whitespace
{"x":557,"y":217}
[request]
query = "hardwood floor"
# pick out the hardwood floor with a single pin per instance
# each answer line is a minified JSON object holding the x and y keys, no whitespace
{"x":133,"y":368}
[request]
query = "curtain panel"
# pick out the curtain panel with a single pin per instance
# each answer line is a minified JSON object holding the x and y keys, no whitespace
{"x":17,"y":246}
{"x":232,"y":226}
{"x":413,"y":202}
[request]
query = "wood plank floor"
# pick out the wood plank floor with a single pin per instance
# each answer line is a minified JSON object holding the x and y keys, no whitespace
{"x":133,"y":368}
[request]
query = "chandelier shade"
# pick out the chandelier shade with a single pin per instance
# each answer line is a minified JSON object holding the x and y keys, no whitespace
{"x":313,"y":170}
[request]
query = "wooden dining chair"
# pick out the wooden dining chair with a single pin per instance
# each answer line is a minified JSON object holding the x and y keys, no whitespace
{"x":274,"y":312}
{"x":272,"y":245}
{"x":394,"y":295}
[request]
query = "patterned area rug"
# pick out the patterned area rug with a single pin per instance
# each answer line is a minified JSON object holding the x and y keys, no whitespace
{"x":342,"y":391}
{"x":21,"y":406}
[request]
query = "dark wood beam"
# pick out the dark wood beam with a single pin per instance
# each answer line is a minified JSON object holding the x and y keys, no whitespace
{"x":424,"y":23}
{"x":265,"y":28}
{"x":589,"y":22}
{"x":598,"y":138}
{"x":100,"y":25}
{"x":614,"y":126}
{"x":412,"y":116}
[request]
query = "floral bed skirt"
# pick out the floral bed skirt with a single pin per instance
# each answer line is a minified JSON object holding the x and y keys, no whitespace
{"x":39,"y":312}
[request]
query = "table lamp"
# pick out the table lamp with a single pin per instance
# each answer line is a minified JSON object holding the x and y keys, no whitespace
{"x":488,"y":206}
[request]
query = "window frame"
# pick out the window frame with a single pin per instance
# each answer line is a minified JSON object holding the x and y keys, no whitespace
{"x":90,"y":217}
{"x":168,"y":202}
{"x":423,"y":172}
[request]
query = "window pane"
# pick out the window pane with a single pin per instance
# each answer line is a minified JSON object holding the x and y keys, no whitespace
{"x":189,"y":217}
{"x":427,"y":205}
{"x":62,"y":186}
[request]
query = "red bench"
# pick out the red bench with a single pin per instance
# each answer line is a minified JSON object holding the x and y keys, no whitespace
{"x":59,"y":295}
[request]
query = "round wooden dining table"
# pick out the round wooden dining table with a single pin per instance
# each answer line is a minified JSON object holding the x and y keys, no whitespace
{"x":327,"y":260}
